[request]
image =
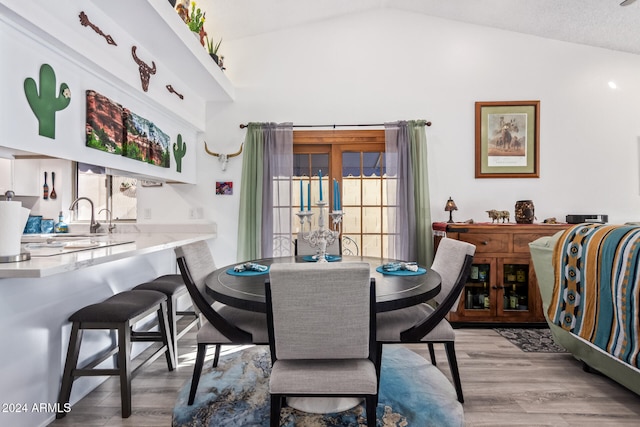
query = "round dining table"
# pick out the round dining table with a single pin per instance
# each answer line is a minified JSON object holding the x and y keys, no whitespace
{"x":393,"y":291}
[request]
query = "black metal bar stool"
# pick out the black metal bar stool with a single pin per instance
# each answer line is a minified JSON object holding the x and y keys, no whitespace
{"x":119,"y":312}
{"x":174,"y":288}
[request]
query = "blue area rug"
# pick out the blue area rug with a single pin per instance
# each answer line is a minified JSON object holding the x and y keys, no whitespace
{"x":236,"y":394}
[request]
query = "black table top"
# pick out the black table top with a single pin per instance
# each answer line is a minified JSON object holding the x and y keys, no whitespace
{"x":392,"y":292}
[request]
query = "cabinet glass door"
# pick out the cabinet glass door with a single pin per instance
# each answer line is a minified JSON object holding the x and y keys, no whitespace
{"x":476,"y":291}
{"x":515,"y":286}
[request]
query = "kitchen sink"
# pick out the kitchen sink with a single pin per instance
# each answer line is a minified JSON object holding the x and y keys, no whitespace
{"x":57,"y":244}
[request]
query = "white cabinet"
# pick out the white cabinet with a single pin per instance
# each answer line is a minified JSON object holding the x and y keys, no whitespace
{"x":20,"y":176}
{"x":26,"y":177}
{"x":5,"y":175}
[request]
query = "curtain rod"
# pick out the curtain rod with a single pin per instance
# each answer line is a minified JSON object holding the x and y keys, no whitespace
{"x":242,"y":125}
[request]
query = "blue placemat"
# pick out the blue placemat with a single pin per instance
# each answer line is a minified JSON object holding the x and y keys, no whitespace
{"x":330,"y":258}
{"x":232,"y":272}
{"x":402,"y":272}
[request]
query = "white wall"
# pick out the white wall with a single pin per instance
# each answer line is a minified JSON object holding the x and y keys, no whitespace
{"x":388,"y":65}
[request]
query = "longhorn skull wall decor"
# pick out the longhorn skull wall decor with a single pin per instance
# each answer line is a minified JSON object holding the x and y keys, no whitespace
{"x":223,"y":158}
{"x":145,"y":70}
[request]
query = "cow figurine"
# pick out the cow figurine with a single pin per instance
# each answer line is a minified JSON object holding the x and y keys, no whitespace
{"x":496,"y":216}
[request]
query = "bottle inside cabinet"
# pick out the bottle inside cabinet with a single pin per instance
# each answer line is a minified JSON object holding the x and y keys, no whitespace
{"x":515,"y":286}
{"x":477,"y":288}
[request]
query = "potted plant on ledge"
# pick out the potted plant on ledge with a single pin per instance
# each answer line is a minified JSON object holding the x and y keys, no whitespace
{"x":196,"y":22}
{"x":213,"y":49}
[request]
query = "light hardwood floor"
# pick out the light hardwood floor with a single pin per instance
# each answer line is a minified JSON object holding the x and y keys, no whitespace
{"x":503,"y":386}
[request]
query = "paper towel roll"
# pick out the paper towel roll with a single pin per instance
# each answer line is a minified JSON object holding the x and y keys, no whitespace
{"x":13,"y":218}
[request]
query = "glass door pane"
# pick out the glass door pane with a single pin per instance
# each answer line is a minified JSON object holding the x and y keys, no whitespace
{"x":363,"y":185}
{"x":516,"y":286}
{"x":477,"y":288}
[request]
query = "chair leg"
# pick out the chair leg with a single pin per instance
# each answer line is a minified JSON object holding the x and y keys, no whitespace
{"x":173,"y":326}
{"x":167,"y":339}
{"x":453,"y":365}
{"x":124,"y":365}
{"x":216,"y":356}
{"x":378,"y":362}
{"x":70,"y":365}
{"x":197,"y":370}
{"x":372,"y":404}
{"x":432,"y":353}
{"x":276,"y":407}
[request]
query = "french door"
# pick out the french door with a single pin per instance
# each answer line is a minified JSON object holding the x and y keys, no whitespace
{"x":355,"y":159}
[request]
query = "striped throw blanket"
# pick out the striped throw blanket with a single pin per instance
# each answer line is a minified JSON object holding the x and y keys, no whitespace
{"x":596,"y":289}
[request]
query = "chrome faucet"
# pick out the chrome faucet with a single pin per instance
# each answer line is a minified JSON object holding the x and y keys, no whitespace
{"x":109,"y":217}
{"x":95,"y":225}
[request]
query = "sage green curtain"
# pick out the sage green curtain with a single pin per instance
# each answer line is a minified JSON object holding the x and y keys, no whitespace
{"x":406,"y":166}
{"x":419,"y":160}
{"x":265,"y":191}
{"x":250,"y":217}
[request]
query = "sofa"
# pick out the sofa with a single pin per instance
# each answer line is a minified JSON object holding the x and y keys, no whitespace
{"x":591,"y":312}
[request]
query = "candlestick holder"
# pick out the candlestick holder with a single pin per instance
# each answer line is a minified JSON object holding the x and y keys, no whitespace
{"x":322,"y":236}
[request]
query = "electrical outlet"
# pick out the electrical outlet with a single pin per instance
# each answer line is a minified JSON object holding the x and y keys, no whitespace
{"x":147,"y":213}
{"x":192,"y":213}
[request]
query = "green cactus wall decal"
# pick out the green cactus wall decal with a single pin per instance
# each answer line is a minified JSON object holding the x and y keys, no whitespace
{"x":179,"y":150}
{"x":46,"y":103}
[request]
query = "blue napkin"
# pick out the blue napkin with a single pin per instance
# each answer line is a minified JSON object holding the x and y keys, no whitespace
{"x":248,"y":269}
{"x":250,"y":266}
{"x":401,"y":269}
{"x":397,"y":266}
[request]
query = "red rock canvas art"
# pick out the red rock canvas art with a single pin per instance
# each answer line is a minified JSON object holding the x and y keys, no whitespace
{"x":104,"y":123}
{"x":112,"y":128}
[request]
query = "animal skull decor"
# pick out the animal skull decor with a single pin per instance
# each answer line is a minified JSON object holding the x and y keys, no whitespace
{"x":145,"y":69}
{"x":223,"y":158}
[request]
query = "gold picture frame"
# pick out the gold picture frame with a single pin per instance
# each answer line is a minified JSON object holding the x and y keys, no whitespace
{"x":508,"y":139}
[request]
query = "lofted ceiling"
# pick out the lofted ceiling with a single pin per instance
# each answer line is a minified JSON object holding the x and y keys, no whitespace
{"x":600,"y":23}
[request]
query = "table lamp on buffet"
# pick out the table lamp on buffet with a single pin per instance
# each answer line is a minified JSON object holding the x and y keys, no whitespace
{"x":450,"y":207}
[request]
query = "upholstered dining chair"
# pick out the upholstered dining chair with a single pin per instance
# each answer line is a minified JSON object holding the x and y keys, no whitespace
{"x":424,"y":323}
{"x":322,"y":333}
{"x":222,"y":324}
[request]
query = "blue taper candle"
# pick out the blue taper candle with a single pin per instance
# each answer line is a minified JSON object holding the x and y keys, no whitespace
{"x":308,"y":197}
{"x":301,"y":199}
{"x":320,"y":182}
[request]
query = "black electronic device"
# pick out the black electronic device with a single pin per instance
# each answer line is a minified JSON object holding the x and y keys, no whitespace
{"x":595,"y":218}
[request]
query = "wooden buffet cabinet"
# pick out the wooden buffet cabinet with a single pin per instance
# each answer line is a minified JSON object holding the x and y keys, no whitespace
{"x":502,"y":287}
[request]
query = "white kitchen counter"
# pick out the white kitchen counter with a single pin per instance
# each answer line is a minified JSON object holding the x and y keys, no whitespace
{"x":140,"y":244}
{"x":38,"y":296}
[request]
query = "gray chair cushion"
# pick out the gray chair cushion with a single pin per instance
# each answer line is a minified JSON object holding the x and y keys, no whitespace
{"x":120,"y":307}
{"x":200,"y":261}
{"x":448,"y":262}
{"x":323,"y":377}
{"x":321,"y":310}
{"x":254,"y":323}
{"x":391,"y":323}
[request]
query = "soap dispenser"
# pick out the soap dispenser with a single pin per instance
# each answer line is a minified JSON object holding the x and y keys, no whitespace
{"x":61,"y":226}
